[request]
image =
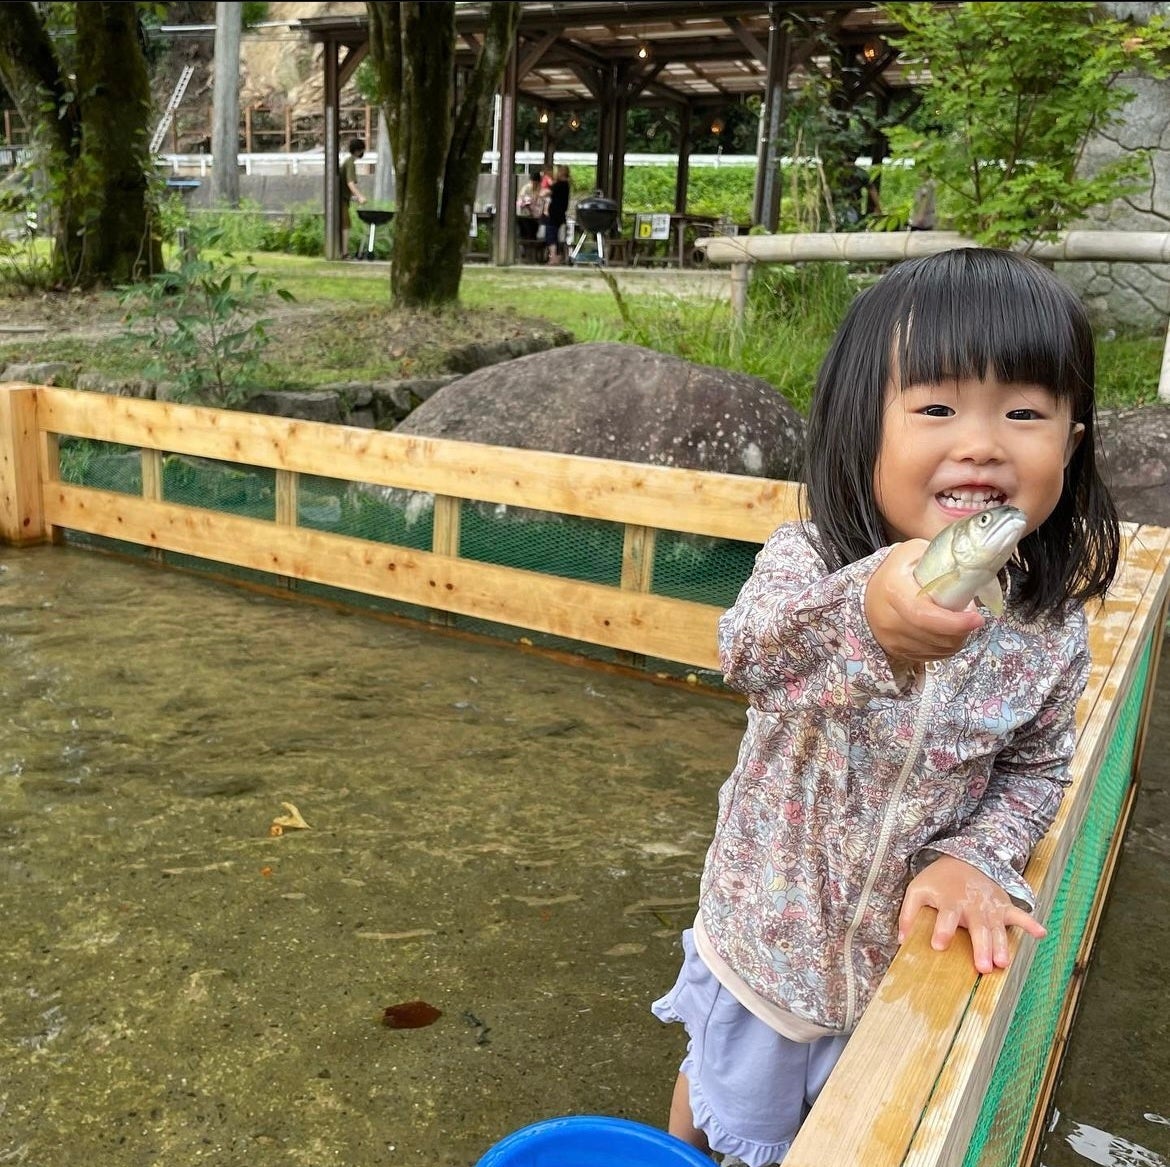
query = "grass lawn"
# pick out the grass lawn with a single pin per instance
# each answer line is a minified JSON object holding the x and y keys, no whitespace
{"x":341,"y":326}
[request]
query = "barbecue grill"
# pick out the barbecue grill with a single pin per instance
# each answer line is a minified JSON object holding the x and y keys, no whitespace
{"x":595,"y":214}
{"x":375,"y":219}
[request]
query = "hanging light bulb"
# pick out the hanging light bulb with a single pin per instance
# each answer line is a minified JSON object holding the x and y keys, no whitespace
{"x":643,"y":51}
{"x":544,"y":117}
{"x":574,"y":121}
{"x":871,"y":50}
{"x":717,"y":125}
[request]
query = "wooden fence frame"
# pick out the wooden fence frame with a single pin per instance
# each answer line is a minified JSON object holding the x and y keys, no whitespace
{"x":739,"y":252}
{"x":908,"y":1088}
{"x":643,"y":499}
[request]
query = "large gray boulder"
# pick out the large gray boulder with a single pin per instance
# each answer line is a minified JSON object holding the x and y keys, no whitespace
{"x":1135,"y":444}
{"x":620,"y":401}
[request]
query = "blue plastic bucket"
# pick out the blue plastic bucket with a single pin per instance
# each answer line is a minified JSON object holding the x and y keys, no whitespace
{"x":587,"y":1140}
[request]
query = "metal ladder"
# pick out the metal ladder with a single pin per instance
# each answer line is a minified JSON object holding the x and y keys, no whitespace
{"x":172,"y":105}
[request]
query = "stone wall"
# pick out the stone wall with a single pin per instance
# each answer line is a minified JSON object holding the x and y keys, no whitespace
{"x":1131,"y":295}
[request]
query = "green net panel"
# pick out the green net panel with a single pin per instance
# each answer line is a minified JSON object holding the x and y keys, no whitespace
{"x":688,"y":567}
{"x":998,"y":1138}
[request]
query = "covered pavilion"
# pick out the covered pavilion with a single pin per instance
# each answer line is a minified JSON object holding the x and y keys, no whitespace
{"x":694,"y":58}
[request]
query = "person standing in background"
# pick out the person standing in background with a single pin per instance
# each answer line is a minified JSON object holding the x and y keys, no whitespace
{"x":530,"y":208}
{"x":349,"y":190}
{"x":558,"y":213}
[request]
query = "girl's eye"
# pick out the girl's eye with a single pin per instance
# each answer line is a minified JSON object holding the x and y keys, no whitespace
{"x":1023,"y":415}
{"x":937,"y":411}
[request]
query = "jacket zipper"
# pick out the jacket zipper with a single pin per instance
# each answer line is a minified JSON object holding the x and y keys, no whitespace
{"x":883,"y":843}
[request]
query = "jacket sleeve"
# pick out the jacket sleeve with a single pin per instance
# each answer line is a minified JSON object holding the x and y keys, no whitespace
{"x":1025,"y":789}
{"x":798,"y":632}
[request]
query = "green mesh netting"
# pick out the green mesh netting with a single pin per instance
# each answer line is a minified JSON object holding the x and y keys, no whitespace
{"x":998,"y":1138}
{"x":689,"y":567}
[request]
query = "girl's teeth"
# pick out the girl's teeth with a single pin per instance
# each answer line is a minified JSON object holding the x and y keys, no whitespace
{"x":970,"y":498}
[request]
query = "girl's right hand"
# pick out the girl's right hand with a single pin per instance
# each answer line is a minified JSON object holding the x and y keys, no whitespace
{"x":910,"y":627}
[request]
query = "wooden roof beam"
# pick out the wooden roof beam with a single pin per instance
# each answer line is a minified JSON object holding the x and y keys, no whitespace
{"x":534,"y":55}
{"x":644,"y":80}
{"x":745,"y":38}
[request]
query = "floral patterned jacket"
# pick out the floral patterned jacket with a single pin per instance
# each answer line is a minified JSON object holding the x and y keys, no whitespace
{"x":848,"y":783}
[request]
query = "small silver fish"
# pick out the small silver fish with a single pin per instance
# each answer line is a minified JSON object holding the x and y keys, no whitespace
{"x":964,"y":559}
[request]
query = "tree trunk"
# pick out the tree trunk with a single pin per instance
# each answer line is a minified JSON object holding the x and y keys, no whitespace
{"x":114,"y":89}
{"x":437,"y":149}
{"x":225,"y":131}
{"x":91,"y":136}
{"x":34,"y":79}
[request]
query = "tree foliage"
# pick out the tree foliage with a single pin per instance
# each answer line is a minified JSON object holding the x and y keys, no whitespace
{"x":1016,"y":93}
{"x":437,"y":142}
{"x":77,"y":73}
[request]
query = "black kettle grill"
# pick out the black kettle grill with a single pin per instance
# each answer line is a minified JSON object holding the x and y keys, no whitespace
{"x":375,"y":219}
{"x":595,"y":214}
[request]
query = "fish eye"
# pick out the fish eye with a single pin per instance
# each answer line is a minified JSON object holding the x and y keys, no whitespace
{"x":984,"y":518}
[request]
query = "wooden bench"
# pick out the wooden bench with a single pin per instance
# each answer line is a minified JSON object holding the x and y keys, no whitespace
{"x":918,"y":1083}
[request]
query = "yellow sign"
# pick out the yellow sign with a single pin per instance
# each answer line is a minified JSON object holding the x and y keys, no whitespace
{"x":652,"y":226}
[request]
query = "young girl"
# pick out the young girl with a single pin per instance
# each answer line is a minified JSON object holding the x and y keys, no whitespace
{"x":897,"y":754}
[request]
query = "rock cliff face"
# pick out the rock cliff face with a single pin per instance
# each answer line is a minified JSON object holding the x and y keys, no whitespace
{"x":279,"y":69}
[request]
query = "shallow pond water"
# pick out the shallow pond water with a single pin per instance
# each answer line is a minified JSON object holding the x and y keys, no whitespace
{"x":513,"y":840}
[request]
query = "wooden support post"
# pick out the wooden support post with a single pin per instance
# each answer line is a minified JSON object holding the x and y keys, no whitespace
{"x":331,"y":200}
{"x":22,"y":520}
{"x":287,"y":511}
{"x":637,"y":573}
{"x":682,"y":178}
{"x":504,"y":236}
{"x":445,"y":539}
{"x":766,"y":208}
{"x":1164,"y":375}
{"x":152,"y":485}
{"x":287,"y":488}
{"x":739,"y":285}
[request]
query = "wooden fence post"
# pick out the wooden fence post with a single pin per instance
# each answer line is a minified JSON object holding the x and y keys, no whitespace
{"x":22,"y":519}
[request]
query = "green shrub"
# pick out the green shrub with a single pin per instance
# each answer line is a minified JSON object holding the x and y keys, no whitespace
{"x":204,"y":326}
{"x":793,"y":311}
{"x":242,"y":228}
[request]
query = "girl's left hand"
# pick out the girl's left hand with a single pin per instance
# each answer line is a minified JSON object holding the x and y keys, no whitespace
{"x":965,"y":897}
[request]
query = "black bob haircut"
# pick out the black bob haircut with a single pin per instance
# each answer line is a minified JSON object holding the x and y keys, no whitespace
{"x":976,"y":312}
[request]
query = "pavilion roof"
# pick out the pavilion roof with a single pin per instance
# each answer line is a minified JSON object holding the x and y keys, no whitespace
{"x":702,"y":53}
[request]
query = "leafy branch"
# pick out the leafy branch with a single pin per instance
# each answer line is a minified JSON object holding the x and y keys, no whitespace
{"x":204,"y":326}
{"x":1016,"y":93}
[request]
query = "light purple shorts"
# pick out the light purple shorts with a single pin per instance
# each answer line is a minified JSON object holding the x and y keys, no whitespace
{"x":750,"y":1086}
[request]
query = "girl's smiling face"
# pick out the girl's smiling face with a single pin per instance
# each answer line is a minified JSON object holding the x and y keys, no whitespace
{"x":959,"y":446}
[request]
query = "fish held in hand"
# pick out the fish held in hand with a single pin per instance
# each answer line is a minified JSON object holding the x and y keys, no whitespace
{"x":964,"y":559}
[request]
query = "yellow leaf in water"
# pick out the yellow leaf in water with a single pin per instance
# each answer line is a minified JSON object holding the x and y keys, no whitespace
{"x":291,"y":820}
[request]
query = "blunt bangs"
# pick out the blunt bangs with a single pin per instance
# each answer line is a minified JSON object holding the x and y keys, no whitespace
{"x":969,"y":313}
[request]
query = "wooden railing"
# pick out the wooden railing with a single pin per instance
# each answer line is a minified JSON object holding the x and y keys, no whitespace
{"x":643,"y":499}
{"x":909,"y":1086}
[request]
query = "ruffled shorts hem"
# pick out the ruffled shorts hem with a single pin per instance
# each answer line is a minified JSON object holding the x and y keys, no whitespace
{"x":719,"y":1139}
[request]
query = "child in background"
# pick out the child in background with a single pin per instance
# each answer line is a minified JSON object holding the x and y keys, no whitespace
{"x":896,"y":754}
